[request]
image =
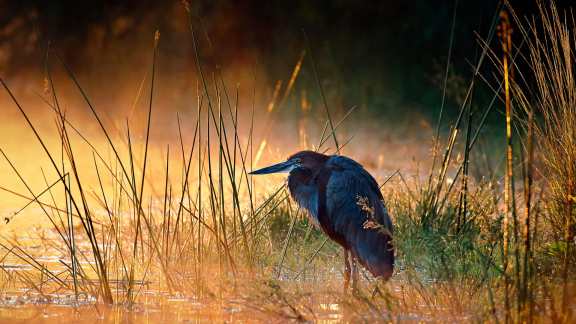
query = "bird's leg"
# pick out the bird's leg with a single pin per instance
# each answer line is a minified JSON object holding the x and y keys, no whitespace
{"x":346,"y":270}
{"x":355,"y":277}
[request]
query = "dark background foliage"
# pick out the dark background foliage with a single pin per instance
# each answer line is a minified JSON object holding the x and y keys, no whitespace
{"x":387,"y":55}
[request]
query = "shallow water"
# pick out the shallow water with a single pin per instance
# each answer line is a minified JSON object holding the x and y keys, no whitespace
{"x":315,"y":296}
{"x":169,"y":312}
{"x":63,"y":309}
{"x":310,"y":301}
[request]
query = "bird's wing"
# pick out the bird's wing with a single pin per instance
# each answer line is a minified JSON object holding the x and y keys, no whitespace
{"x":357,"y":214}
{"x":351,"y":187}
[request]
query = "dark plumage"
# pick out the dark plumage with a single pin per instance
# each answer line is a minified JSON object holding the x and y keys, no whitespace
{"x":344,"y":200}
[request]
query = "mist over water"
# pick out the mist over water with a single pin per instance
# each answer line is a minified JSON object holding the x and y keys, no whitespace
{"x":112,"y":61}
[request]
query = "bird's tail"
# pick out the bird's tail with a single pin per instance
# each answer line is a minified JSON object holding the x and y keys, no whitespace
{"x":374,"y":249}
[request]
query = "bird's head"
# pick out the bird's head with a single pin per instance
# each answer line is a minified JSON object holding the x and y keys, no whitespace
{"x":309,"y":160}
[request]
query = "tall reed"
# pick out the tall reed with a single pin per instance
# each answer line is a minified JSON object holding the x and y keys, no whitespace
{"x":548,"y":108}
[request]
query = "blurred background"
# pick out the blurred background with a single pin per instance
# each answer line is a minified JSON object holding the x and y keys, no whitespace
{"x":386,"y":58}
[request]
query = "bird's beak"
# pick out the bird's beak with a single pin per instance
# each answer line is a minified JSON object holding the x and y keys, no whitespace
{"x":277,"y":168}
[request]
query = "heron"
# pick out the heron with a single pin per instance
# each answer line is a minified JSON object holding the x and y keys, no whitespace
{"x":345,"y":202}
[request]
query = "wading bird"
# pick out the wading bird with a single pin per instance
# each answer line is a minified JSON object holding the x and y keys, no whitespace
{"x":343,"y":200}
